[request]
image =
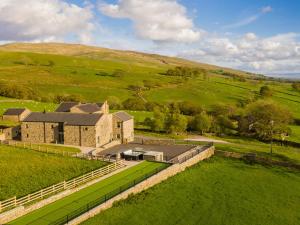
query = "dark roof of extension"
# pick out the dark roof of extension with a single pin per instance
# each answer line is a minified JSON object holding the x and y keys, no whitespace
{"x":79,"y":119}
{"x":66,"y":106}
{"x":124,"y":116}
{"x":89,"y":107}
{"x":14,"y":111}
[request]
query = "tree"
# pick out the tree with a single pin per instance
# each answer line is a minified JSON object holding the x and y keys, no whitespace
{"x":265,"y":91}
{"x":201,"y":122}
{"x":175,"y":122}
{"x":134,"y":104}
{"x":223,"y":109}
{"x":114,"y":102}
{"x":222,"y":125}
{"x":296,"y":86}
{"x":189,"y":108}
{"x":157,"y":122}
{"x":262,"y":118}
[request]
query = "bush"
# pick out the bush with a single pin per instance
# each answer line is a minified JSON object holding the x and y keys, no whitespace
{"x":189,"y":108}
{"x":67,"y":98}
{"x":296,"y":86}
{"x":16,"y":91}
{"x":134,"y":104}
{"x":265,"y":91}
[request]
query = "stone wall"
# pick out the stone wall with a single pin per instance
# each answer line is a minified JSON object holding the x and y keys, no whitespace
{"x":32,"y":132}
{"x":146,"y":141}
{"x":72,"y":135}
{"x":128,"y":131}
{"x":156,"y":179}
{"x":104,"y":130}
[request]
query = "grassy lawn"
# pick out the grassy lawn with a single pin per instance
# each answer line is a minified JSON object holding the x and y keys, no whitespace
{"x":214,"y":192}
{"x":24,"y":171}
{"x":244,"y":145}
{"x":81,"y":198}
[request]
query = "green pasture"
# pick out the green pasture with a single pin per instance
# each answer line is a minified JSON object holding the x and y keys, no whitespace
{"x":91,"y":76}
{"x":69,"y":204}
{"x":24,"y":171}
{"x":217,"y":191}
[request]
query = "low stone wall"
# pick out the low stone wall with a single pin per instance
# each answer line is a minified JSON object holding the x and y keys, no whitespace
{"x":156,"y":179}
{"x":235,"y":155}
{"x":158,"y":142}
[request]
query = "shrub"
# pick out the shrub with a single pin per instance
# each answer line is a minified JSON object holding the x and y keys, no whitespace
{"x":134,"y":104}
{"x":265,"y":91}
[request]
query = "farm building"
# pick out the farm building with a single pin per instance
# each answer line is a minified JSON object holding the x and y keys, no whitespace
{"x":15,"y":114}
{"x":81,"y":124}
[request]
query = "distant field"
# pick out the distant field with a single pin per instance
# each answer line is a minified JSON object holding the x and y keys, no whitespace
{"x":32,"y":105}
{"x":214,"y":192}
{"x":90,"y":74}
{"x":24,"y":171}
{"x":281,"y":153}
{"x":81,"y":198}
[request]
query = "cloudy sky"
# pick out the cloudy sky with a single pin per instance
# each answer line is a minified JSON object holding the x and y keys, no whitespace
{"x":256,"y":35}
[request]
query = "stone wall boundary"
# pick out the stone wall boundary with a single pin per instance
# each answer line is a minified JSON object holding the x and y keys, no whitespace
{"x":148,"y":183}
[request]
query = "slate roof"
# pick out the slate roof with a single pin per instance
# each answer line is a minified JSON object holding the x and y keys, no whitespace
{"x":14,"y":111}
{"x":89,"y":107}
{"x":124,"y":116}
{"x":77,"y":119}
{"x":66,"y":106}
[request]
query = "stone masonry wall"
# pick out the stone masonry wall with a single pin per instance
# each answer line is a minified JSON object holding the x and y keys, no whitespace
{"x":32,"y":132}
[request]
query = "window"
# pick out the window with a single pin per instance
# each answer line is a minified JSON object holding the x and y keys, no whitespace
{"x":52,"y":126}
{"x":98,"y":139}
{"x":26,"y":126}
{"x":119,"y":124}
{"x":27,"y":135}
{"x":86,"y":128}
{"x":118,"y":136}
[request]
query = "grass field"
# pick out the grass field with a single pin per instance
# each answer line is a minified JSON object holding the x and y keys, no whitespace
{"x":55,"y":148}
{"x":32,"y":105}
{"x":88,"y":72}
{"x":244,"y":145}
{"x":81,"y":198}
{"x":214,"y":192}
{"x":24,"y":171}
{"x":295,"y":137}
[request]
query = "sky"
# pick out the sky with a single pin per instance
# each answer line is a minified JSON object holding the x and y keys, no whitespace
{"x":261,"y":36}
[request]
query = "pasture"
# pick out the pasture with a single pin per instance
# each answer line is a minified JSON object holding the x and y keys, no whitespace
{"x":24,"y":171}
{"x":217,"y":191}
{"x":91,"y":75}
{"x":76,"y":201}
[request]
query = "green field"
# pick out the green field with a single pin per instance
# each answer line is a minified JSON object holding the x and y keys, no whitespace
{"x":86,"y":71}
{"x":63,"y":207}
{"x":295,"y":137}
{"x":243,"y":145}
{"x":24,"y":171}
{"x":32,"y":105}
{"x":215,"y":192}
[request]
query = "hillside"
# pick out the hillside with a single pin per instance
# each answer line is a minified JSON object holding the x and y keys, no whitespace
{"x":52,"y":69}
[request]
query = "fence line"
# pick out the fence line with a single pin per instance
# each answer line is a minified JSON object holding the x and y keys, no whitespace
{"x":38,"y":148}
{"x":104,"y":198}
{"x":65,"y":185}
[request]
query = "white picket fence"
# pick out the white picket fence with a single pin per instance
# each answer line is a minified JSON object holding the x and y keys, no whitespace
{"x":65,"y":185}
{"x":38,"y":147}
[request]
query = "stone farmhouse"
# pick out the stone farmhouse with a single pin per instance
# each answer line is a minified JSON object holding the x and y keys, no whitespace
{"x":80,"y":124}
{"x":15,"y":115}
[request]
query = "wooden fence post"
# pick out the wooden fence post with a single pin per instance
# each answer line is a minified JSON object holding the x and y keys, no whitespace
{"x":15,"y":201}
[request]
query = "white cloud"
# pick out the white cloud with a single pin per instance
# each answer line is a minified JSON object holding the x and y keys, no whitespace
{"x":280,"y":53}
{"x":44,"y":20}
{"x":250,"y":19}
{"x":266,"y":9}
{"x":157,"y":20}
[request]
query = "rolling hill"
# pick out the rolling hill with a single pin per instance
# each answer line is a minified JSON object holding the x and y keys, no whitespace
{"x":51,"y":69}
